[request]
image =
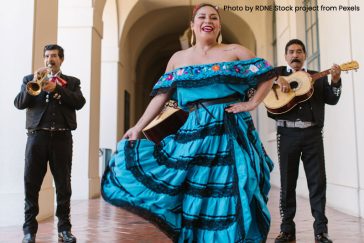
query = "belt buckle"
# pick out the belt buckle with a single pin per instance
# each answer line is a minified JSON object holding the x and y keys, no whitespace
{"x":281,"y":123}
{"x":302,"y":124}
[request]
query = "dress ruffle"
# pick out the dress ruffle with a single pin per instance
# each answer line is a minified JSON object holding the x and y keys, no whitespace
{"x":248,"y":72}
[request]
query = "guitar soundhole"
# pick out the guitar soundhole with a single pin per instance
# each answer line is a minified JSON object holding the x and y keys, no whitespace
{"x":293,"y":85}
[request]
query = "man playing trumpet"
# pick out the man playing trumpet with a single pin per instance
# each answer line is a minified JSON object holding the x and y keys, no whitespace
{"x":51,"y":99}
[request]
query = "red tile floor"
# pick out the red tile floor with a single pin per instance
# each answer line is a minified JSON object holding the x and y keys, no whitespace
{"x":96,"y":221}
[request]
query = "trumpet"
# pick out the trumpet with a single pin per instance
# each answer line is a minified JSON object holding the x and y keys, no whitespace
{"x":34,"y":87}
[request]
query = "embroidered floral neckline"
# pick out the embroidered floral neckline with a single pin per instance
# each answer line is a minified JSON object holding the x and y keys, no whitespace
{"x":232,"y":68}
{"x":252,"y":60}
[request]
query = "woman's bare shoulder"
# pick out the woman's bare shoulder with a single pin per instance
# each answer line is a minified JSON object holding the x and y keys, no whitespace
{"x":182,"y":54}
{"x":173,"y":61}
{"x":178,"y":59}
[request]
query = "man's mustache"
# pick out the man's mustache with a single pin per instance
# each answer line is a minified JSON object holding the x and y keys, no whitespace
{"x":296,"y":60}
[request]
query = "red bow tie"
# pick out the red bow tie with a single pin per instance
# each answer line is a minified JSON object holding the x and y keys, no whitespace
{"x":59,"y":81}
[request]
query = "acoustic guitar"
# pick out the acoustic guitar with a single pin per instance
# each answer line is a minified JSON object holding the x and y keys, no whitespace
{"x":301,"y":84}
{"x":169,"y":120}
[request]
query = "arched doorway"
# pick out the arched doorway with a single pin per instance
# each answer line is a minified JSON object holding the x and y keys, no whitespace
{"x":154,"y":36}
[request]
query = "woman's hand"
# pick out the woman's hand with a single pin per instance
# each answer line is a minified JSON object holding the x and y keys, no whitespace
{"x":262,"y":91}
{"x":132,"y":134}
{"x":241,"y":107}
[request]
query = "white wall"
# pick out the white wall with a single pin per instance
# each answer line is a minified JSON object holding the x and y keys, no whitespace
{"x":357,"y":40}
{"x":340,"y":129}
{"x":26,"y":26}
{"x":16,"y":59}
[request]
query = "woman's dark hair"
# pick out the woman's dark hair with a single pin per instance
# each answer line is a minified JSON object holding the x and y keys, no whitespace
{"x":295,"y":41}
{"x":198,"y":6}
{"x":54,"y":47}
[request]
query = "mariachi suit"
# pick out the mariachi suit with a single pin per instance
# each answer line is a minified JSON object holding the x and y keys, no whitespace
{"x":50,"y":117}
{"x":306,"y":144}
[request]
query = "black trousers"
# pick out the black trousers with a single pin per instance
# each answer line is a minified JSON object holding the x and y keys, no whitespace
{"x":305,"y":144}
{"x":55,"y":147}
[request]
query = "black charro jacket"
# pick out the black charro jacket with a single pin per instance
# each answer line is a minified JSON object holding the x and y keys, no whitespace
{"x":71,"y":100}
{"x":324,"y":93}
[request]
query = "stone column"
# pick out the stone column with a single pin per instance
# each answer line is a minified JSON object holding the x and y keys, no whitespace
{"x":80,"y":33}
{"x":109,"y":77}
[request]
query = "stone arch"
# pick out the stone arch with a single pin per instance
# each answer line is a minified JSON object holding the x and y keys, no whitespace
{"x":150,"y":37}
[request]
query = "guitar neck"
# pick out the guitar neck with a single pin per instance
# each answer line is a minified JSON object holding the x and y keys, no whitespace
{"x":353,"y":65}
{"x":319,"y":75}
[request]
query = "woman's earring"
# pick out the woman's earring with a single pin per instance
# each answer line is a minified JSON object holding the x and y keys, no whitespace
{"x":219,"y":39}
{"x":192,"y":38}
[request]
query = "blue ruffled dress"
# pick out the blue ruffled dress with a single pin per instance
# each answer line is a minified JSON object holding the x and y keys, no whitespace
{"x":209,"y":182}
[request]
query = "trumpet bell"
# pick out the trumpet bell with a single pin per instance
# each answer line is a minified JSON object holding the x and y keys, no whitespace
{"x":34,"y":87}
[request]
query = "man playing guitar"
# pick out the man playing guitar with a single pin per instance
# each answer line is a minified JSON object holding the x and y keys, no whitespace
{"x":299,"y":136}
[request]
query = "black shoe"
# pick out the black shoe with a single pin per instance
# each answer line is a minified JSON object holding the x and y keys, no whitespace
{"x":322,"y":238}
{"x":29,"y":238}
{"x":66,"y":236}
{"x":285,"y":237}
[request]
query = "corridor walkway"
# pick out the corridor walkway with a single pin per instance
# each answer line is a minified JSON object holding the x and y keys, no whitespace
{"x":96,"y":221}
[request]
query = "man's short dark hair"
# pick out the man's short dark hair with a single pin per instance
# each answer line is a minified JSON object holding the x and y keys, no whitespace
{"x":54,"y":47}
{"x":295,"y":41}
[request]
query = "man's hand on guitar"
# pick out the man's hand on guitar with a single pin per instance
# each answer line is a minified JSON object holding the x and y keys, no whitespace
{"x":335,"y":73}
{"x":283,"y":83}
{"x":132,"y":134}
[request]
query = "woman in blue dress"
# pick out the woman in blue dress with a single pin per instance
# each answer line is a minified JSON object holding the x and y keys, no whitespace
{"x":209,"y":182}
